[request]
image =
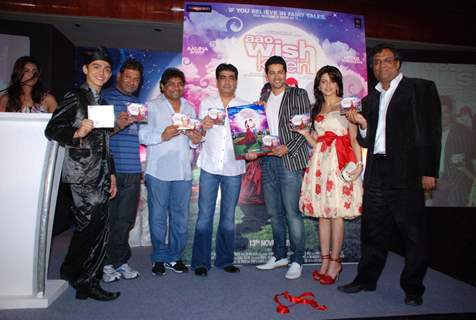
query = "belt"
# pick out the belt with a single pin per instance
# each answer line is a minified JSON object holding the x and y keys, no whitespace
{"x":380,"y":156}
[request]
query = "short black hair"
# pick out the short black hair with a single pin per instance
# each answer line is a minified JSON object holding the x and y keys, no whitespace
{"x":275,"y":60}
{"x":99,"y":53}
{"x":382,"y":46}
{"x":170,"y":73}
{"x":132,"y":64}
{"x":226,"y":67}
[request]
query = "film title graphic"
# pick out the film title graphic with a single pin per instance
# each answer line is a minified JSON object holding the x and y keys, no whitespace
{"x":300,"y":56}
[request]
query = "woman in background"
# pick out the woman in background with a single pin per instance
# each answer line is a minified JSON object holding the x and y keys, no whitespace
{"x":26,"y":93}
{"x":325,"y":194}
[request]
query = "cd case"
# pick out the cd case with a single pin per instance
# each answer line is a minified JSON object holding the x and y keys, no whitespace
{"x":300,"y":121}
{"x":217,"y":115}
{"x":350,"y":103}
{"x":102,"y":115}
{"x":184,"y":122}
{"x":138,"y":111}
{"x":270,"y":142}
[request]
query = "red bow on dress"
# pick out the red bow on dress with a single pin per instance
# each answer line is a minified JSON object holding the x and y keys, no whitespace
{"x":344,"y":149}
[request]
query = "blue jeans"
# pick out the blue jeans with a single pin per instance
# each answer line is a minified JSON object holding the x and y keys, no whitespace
{"x":281,"y":189}
{"x":202,"y":243}
{"x":168,"y":199}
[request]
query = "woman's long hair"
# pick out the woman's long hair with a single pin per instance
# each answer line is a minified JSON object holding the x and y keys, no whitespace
{"x":336,"y":76}
{"x":15,"y":89}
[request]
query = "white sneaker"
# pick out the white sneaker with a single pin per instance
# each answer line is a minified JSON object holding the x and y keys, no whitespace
{"x":273,"y":264}
{"x":109,"y":274}
{"x":127,"y":272}
{"x":294,"y":271}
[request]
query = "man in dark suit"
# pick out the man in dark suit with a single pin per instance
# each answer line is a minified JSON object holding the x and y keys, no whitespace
{"x":401,"y":126}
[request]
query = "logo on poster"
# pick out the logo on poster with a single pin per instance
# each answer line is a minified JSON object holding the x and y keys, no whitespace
{"x":352,"y":59}
{"x":300,"y":57}
{"x":197,"y":50}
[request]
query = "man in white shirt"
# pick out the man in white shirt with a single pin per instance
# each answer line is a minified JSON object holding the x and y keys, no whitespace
{"x":219,"y":169}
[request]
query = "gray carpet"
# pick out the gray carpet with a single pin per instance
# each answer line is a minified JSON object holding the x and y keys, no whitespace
{"x":247,"y":295}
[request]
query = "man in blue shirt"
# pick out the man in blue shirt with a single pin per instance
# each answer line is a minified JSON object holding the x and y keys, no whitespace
{"x":125,"y":149}
{"x":168,"y":173}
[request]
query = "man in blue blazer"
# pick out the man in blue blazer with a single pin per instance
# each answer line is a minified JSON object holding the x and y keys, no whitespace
{"x":400,"y":125}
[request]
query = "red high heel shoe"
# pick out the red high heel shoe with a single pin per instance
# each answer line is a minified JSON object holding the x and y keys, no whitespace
{"x":316,"y":275}
{"x":327,"y":279}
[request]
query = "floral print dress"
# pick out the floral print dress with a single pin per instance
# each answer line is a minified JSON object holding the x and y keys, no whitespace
{"x":324,"y":193}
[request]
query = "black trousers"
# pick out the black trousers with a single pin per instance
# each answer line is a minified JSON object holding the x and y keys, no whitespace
{"x":384,"y":209}
{"x":122,"y":216}
{"x":83,"y":263}
{"x":63,"y":216}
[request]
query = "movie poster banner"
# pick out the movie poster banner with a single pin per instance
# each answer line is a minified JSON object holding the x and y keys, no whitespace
{"x":246,"y":36}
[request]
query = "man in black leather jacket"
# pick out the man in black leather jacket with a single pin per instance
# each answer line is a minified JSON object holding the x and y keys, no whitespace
{"x":88,"y":169}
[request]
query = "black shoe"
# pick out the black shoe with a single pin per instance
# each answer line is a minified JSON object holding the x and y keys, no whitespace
{"x":96,"y":292}
{"x":201,"y":272}
{"x":354,"y":287}
{"x":413,"y":300}
{"x":176,"y":266}
{"x":67,"y":275}
{"x":67,"y":278}
{"x":231,"y":269}
{"x":158,"y":269}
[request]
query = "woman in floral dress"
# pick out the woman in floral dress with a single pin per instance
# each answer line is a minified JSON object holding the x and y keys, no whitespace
{"x":324,"y":193}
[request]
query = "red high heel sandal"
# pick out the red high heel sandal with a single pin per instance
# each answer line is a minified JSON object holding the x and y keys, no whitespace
{"x":327,"y":279}
{"x":316,"y":275}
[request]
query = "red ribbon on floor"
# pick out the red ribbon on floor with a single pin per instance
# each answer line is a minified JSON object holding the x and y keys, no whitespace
{"x":305,"y":298}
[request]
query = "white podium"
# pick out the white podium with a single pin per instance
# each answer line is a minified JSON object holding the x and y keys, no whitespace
{"x":30,"y":171}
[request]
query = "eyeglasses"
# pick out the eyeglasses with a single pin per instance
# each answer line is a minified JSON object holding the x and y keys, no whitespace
{"x":386,"y":61}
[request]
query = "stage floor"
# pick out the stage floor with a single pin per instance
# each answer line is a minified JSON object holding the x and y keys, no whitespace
{"x":249,"y":295}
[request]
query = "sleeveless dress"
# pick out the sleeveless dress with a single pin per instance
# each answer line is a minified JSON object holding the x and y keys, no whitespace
{"x":36,"y":108}
{"x":324,"y":193}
